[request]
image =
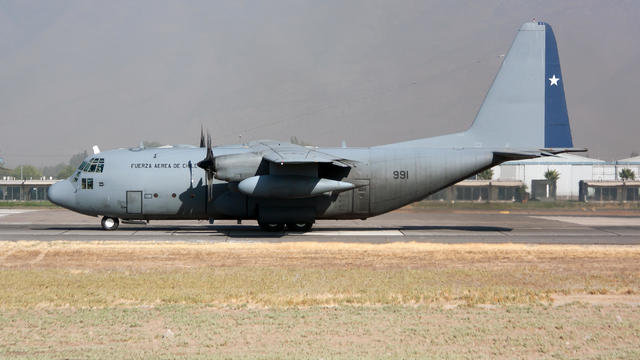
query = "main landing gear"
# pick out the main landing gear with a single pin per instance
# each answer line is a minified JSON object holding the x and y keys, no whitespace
{"x":109,"y":223}
{"x":299,"y":227}
{"x":294,"y":227}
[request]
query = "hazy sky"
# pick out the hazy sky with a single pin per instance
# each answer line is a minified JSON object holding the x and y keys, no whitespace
{"x":113,"y":73}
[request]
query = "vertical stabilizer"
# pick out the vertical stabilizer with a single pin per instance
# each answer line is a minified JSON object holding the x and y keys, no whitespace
{"x":525,"y":106}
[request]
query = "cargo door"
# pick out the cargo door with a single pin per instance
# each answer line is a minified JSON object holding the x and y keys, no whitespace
{"x":134,"y":202}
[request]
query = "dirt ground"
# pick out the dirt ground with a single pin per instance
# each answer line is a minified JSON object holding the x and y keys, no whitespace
{"x":345,"y":332}
{"x":318,"y":300}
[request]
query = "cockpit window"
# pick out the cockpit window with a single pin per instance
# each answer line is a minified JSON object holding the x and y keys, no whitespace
{"x":87,"y":183}
{"x":92,"y":165}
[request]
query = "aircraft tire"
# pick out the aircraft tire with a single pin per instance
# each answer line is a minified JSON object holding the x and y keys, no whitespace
{"x":299,"y":227}
{"x":109,"y":223}
{"x":271,"y":227}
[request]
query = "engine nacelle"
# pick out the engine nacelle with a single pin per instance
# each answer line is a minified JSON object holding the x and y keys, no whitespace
{"x":237,"y":167}
{"x":290,"y":186}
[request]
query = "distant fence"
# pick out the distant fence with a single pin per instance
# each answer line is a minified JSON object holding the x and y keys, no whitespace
{"x":25,"y":190}
{"x":481,"y":191}
{"x":609,"y":191}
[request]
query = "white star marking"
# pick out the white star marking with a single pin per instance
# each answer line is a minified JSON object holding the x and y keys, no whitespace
{"x":553,"y":80}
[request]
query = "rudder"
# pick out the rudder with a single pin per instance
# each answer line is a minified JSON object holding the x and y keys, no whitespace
{"x":556,"y":118}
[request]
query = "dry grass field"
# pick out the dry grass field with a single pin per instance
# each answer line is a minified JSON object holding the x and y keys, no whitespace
{"x":318,"y":300}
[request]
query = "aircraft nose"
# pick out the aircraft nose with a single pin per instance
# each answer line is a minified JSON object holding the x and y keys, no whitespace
{"x":61,"y":193}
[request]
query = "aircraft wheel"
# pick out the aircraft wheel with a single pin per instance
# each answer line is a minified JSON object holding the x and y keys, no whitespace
{"x":109,"y":223}
{"x":299,"y":227}
{"x":271,"y":227}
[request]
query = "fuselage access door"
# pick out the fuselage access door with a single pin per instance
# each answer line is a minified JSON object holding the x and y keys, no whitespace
{"x":361,"y":196}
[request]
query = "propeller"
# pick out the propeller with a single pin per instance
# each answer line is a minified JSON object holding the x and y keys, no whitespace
{"x":209,"y":165}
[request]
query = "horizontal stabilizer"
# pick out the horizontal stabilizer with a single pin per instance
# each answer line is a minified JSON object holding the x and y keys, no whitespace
{"x":509,"y":154}
{"x":555,"y":151}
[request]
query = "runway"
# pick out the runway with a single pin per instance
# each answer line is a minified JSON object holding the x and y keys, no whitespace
{"x":400,"y":226}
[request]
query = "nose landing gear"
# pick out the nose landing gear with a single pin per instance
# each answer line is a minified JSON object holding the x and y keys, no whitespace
{"x":109,"y":223}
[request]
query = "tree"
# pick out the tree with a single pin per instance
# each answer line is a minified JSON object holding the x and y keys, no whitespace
{"x":65,"y":172}
{"x":295,"y":140}
{"x":77,"y":159}
{"x":53,"y":170}
{"x":552,"y":177}
{"x":27,"y":172}
{"x":485,"y":175}
{"x":627,"y":174}
{"x":151,"y":144}
{"x":523,"y":196}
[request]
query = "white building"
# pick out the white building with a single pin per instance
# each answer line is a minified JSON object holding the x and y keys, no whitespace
{"x":572,"y":168}
{"x":600,"y":181}
{"x":629,"y":163}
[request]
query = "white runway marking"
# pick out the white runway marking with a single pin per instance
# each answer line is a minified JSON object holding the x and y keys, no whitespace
{"x":353,"y":233}
{"x":5,"y":212}
{"x":594,"y":220}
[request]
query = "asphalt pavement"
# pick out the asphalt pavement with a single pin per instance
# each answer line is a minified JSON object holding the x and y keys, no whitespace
{"x":400,"y":226}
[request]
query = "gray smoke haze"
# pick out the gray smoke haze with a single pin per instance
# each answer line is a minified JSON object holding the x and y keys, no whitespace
{"x":113,"y":73}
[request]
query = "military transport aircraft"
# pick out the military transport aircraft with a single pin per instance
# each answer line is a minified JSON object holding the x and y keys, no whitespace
{"x":280,"y":184}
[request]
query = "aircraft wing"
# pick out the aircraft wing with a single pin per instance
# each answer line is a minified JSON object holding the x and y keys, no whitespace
{"x":287,"y":153}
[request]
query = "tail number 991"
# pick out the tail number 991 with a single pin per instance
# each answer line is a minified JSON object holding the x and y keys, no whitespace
{"x":400,"y":174}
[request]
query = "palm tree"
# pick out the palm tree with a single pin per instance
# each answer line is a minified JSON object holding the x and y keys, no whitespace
{"x":485,"y":175}
{"x":627,"y":174}
{"x":552,"y":177}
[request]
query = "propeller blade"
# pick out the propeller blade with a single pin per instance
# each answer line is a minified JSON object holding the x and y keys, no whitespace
{"x":201,"y":136}
{"x":209,"y":185}
{"x":208,"y":164}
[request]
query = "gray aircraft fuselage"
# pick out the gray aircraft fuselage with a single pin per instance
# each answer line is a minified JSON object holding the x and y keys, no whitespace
{"x":171,"y":186}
